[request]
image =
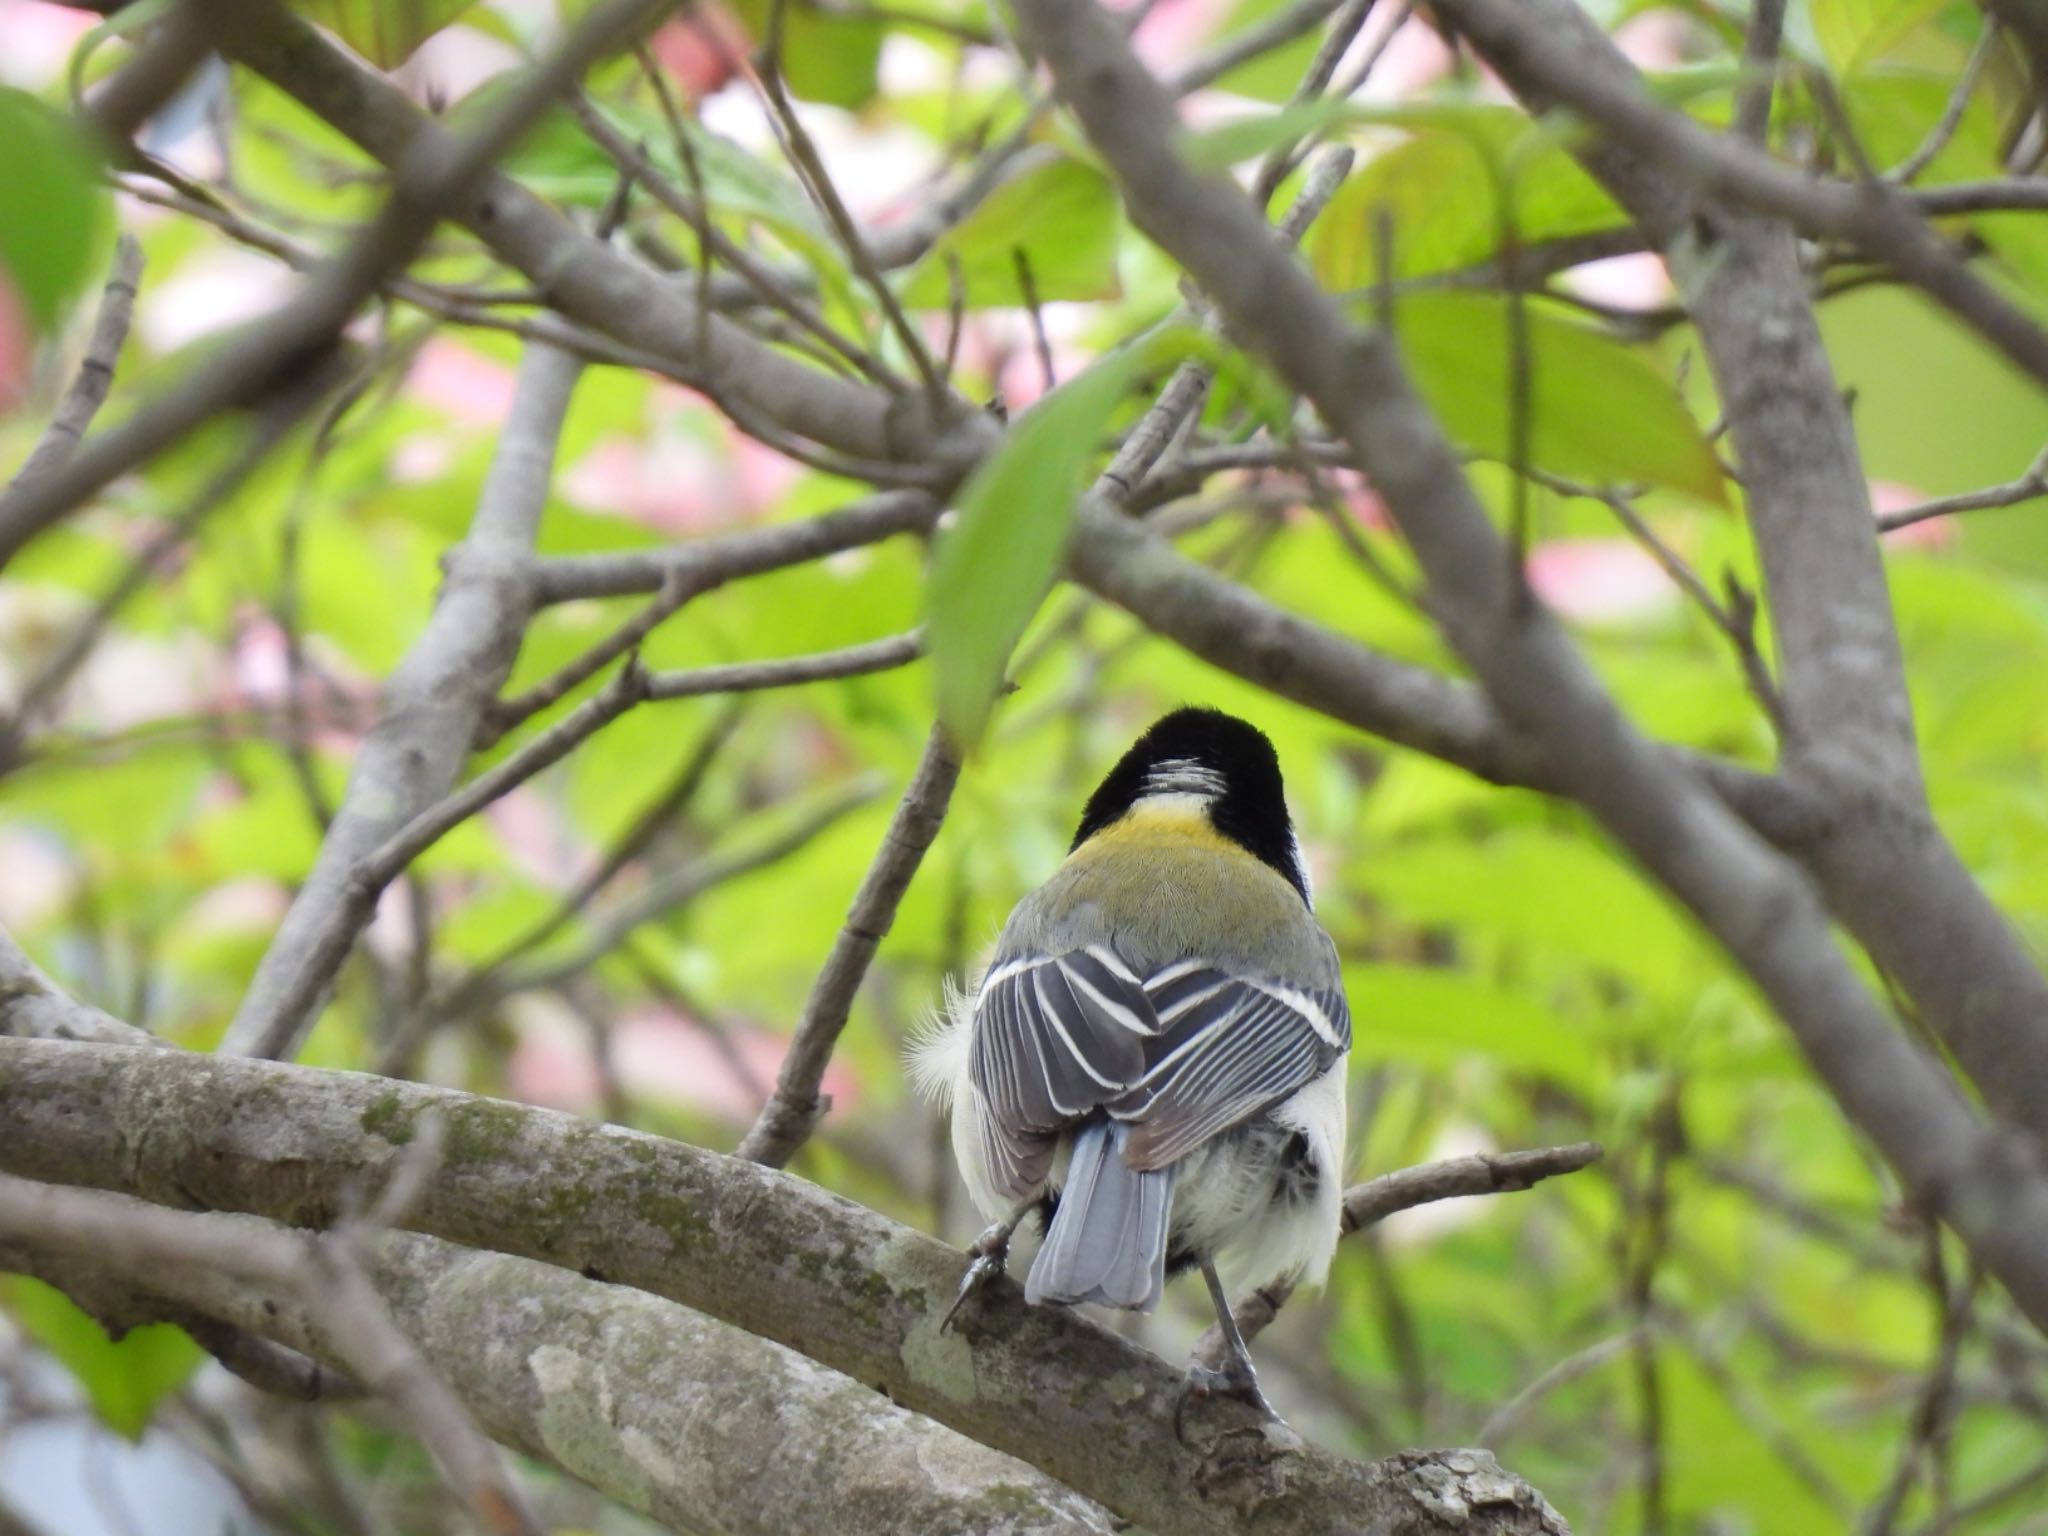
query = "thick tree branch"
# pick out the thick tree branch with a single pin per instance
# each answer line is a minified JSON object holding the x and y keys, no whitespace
{"x":1540,"y":43}
{"x":433,"y":172}
{"x":431,"y":709}
{"x":1987,"y":1185}
{"x":748,"y":1245}
{"x":147,"y":1246}
{"x":33,"y":1007}
{"x":589,"y":282}
{"x":1885,"y":868}
{"x":698,"y":1424}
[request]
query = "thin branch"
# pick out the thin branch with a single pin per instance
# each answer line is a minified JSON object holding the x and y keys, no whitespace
{"x":809,"y":165}
{"x":433,"y":173}
{"x":89,"y":386}
{"x":431,"y":707}
{"x":1367,"y":1205}
{"x":1944,"y":129}
{"x":151,"y":1243}
{"x":2034,"y":482}
{"x":676,"y":888}
{"x":704,"y":564}
{"x":795,"y":1107}
{"x":1760,"y":70}
{"x":861,"y":660}
{"x":41,"y":691}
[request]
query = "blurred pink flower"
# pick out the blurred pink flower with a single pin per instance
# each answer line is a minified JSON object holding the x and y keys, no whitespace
{"x":471,"y":388}
{"x":699,"y":51}
{"x":1174,"y":30}
{"x":1416,"y":57}
{"x":1640,"y":281}
{"x":39,"y":40}
{"x":1891,"y":496}
{"x":656,"y":1054}
{"x":1599,"y":581}
{"x":15,"y":347}
{"x":1653,"y":40}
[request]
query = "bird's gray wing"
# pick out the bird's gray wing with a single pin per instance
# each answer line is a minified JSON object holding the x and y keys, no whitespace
{"x":1056,"y":1037}
{"x":1225,"y":1047}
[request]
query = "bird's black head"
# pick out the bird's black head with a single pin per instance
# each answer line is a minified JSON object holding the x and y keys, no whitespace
{"x":1225,"y":763}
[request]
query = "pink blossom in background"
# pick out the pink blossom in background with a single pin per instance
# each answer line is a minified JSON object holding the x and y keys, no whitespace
{"x":1175,"y":30}
{"x":1637,"y":282}
{"x":16,"y":348}
{"x":1416,"y":57}
{"x":529,"y":828}
{"x":699,"y":52}
{"x":1600,"y":581}
{"x":38,"y":40}
{"x":1653,"y":40}
{"x":1890,"y":496}
{"x":656,"y":1054}
{"x":247,"y":904}
{"x":469,"y":387}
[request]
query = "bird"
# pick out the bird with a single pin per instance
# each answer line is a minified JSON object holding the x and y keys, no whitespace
{"x":1153,"y":1058}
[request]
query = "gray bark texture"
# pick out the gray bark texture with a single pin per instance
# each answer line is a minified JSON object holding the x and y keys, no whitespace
{"x":754,"y":1248}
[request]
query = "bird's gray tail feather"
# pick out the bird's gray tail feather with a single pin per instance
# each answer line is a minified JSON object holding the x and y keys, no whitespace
{"x":1108,"y":1238}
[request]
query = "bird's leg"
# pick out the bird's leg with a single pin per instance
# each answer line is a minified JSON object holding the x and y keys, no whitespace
{"x":991,"y":1252}
{"x":1237,"y":1378}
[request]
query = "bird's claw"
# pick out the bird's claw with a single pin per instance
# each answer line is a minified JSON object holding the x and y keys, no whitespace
{"x":1235,"y":1378}
{"x":991,"y":1253}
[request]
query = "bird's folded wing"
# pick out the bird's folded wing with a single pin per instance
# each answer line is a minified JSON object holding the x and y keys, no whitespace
{"x":1180,"y":1055}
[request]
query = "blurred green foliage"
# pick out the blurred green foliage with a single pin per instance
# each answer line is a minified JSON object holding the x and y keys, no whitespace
{"x":1737,"y":1274}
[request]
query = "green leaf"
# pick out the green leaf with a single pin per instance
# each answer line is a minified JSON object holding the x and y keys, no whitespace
{"x":124,"y":1381}
{"x":993,"y":567}
{"x":1440,"y":191}
{"x":1440,"y":1018}
{"x":386,"y":32}
{"x":1599,"y":410}
{"x":53,"y":209}
{"x":832,"y":59}
{"x":1855,"y":34}
{"x":1062,"y":216}
{"x":1275,"y":73}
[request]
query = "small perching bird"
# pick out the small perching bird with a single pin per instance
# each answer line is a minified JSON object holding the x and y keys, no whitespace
{"x":1154,"y":1058}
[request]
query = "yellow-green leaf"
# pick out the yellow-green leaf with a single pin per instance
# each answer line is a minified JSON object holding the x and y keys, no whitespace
{"x":1599,"y":410}
{"x":1062,"y":217}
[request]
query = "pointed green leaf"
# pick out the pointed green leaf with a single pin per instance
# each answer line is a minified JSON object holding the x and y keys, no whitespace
{"x":1062,"y":216}
{"x":124,"y":1381}
{"x":1599,"y":410}
{"x":52,"y":207}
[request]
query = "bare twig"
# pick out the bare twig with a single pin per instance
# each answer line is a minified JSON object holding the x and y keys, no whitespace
{"x":706,"y":563}
{"x":431,"y":175}
{"x":2029,"y":485}
{"x":790,"y":671}
{"x":431,"y":708}
{"x":1367,"y":1205}
{"x":114,"y":1230}
{"x":796,"y":1105}
{"x":1951,"y":117}
{"x":89,"y":386}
